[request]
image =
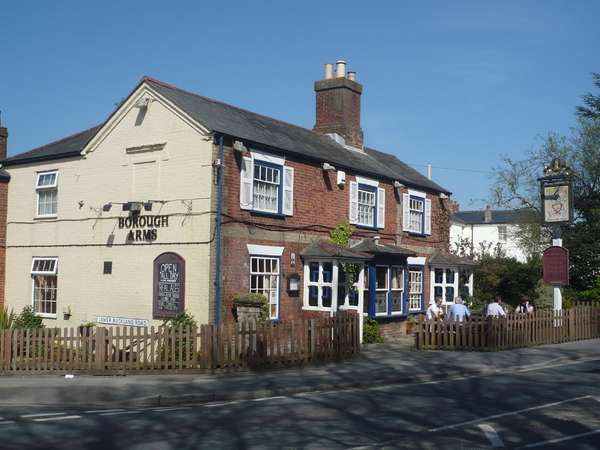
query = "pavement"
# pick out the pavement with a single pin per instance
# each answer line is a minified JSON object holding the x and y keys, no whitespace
{"x":392,"y":362}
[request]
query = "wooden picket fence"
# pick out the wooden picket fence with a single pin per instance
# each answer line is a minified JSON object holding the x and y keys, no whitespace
{"x":204,"y":349}
{"x":477,"y":333}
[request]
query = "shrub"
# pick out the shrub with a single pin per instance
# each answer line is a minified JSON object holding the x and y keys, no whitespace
{"x":371,"y":331}
{"x":28,"y":319}
{"x":175,"y":324}
{"x":6,"y":318}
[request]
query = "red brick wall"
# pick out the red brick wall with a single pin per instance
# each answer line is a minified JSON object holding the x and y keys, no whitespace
{"x":319,"y":205}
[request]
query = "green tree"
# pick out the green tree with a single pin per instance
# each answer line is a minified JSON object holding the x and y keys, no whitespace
{"x":517,"y":186}
{"x":592,"y":102}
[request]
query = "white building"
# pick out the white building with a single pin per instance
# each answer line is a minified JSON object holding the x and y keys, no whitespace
{"x":488,"y":226}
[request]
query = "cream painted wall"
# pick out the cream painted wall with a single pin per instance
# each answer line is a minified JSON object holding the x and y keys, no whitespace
{"x":180,"y":176}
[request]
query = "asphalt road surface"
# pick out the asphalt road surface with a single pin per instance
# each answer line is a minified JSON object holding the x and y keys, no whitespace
{"x":552,"y":407}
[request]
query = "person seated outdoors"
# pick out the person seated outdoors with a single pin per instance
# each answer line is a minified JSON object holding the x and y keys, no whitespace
{"x":458,"y":311}
{"x":494,"y":309}
{"x":435,"y":310}
{"x":524,"y":307}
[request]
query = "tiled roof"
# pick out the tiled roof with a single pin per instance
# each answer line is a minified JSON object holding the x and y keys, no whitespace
{"x":64,"y":148}
{"x":260,"y":131}
{"x":369,"y":245}
{"x":447,"y":259}
{"x":478,"y":217}
{"x":327,"y":249}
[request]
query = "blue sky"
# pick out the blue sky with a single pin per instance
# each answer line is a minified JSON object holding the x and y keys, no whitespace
{"x":454,"y":84}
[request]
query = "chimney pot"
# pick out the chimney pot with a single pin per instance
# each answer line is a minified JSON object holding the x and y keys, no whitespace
{"x":328,"y":71}
{"x":352,"y":76}
{"x":340,"y":70}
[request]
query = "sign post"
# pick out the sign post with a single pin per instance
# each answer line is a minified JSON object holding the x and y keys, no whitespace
{"x":557,"y":210}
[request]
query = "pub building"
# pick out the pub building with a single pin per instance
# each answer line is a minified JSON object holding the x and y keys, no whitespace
{"x":179,"y":202}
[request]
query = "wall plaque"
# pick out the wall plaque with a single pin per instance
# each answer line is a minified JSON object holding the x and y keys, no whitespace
{"x":169,"y":285}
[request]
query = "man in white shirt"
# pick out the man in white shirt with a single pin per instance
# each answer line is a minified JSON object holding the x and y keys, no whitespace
{"x":494,"y":309}
{"x":435,"y":309}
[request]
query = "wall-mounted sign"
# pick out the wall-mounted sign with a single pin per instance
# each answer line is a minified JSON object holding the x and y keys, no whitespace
{"x":143,"y":228}
{"x":169,"y":285}
{"x":122,"y":321}
{"x":556,"y":266}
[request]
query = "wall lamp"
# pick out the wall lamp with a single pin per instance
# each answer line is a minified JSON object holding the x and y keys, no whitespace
{"x":327,"y":166}
{"x":107,"y":207}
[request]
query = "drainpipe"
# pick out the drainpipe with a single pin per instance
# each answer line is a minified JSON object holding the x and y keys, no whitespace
{"x":218,"y":219}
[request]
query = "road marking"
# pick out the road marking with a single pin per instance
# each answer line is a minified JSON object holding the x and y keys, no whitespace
{"x":267,"y":398}
{"x":47,"y":419}
{"x":565,"y":438}
{"x":98,"y":411}
{"x":7,"y":422}
{"x":31,"y":416}
{"x":491,"y":434}
{"x":486,"y":419}
{"x":172,"y":408}
{"x":117,"y":413}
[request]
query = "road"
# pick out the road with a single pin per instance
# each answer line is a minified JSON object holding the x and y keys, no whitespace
{"x":551,"y":407}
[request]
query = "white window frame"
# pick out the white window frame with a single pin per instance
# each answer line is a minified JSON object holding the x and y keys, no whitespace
{"x":413,"y":220}
{"x":389,"y":288}
{"x":502,"y":233}
{"x":285,"y":190}
{"x":43,"y":190}
{"x":344,"y":285}
{"x":449,"y":289}
{"x":273,"y":291}
{"x":358,"y":209}
{"x":444,"y":284}
{"x":416,"y":285}
{"x":320,"y":285}
{"x":44,"y":274}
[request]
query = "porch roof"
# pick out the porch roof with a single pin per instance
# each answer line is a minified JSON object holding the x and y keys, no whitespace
{"x":328,"y":249}
{"x":448,"y":259}
{"x":375,"y":247}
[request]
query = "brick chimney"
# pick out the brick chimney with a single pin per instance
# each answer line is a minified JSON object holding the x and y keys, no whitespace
{"x":487,"y":215}
{"x":3,"y":139}
{"x":338,"y":105}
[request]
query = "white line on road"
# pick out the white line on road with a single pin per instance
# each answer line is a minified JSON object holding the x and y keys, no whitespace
{"x":7,"y":422}
{"x":565,"y":438}
{"x":486,"y":419}
{"x":266,"y":398}
{"x":31,"y":416}
{"x":118,"y":413}
{"x":98,"y":411}
{"x":47,"y":419}
{"x":491,"y":434}
{"x":171,"y":408}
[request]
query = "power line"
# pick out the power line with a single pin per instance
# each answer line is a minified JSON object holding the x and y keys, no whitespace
{"x":449,"y":168}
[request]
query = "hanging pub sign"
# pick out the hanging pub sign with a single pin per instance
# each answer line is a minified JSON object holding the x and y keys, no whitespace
{"x":169,"y":285}
{"x":557,"y":194}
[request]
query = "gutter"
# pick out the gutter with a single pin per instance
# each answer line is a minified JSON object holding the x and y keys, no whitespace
{"x":218,"y":219}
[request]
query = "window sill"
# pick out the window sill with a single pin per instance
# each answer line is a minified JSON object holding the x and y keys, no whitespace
{"x":268,"y":214}
{"x":54,"y":216}
{"x":317,"y":308}
{"x":366,"y":227}
{"x":46,"y":315}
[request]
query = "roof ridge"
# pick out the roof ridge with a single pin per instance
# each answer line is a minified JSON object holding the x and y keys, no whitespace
{"x":147,"y":78}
